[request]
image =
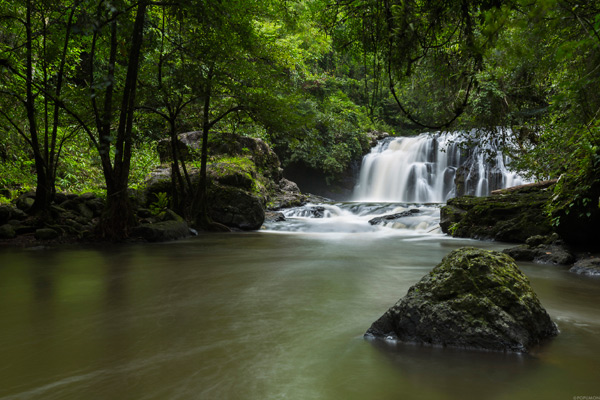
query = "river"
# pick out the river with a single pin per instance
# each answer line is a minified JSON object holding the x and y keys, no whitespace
{"x":265,"y":315}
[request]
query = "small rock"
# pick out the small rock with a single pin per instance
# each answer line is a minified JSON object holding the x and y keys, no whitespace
{"x":288,"y":186}
{"x":537,"y":240}
{"x":393,"y":217}
{"x":46,"y":234}
{"x":84,"y":211}
{"x":162,"y":231}
{"x":87,"y":196}
{"x":7,"y":231}
{"x":24,"y":203}
{"x":587,"y":266}
{"x":541,"y":254}
{"x":521,"y":253}
{"x":553,"y":254}
{"x":18,"y":215}
{"x":96,"y":205}
{"x":274,"y":216}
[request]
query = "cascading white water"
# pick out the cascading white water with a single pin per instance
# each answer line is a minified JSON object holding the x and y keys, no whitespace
{"x":424,"y":168}
{"x":397,"y":179}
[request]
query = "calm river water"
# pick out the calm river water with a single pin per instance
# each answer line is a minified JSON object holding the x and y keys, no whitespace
{"x":264,"y":315}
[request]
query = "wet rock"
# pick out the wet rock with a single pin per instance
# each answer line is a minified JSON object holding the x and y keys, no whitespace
{"x":162,"y":231}
{"x":46,"y":234}
{"x":587,"y":266}
{"x":288,"y":186}
{"x":274,"y":216}
{"x":542,"y":250}
{"x":7,"y":231}
{"x":450,"y":216}
{"x":508,"y":217}
{"x":473,"y":299}
{"x":235,"y":207}
{"x":393,"y":217}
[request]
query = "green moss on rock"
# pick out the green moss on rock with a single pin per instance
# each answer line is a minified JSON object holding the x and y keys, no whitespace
{"x":473,"y":299}
{"x":507,"y":217}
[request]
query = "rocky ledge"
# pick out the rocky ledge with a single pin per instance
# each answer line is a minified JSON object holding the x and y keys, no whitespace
{"x":507,"y":216}
{"x":474,"y":299}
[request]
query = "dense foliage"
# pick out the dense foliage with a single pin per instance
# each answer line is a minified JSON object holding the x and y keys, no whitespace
{"x":88,"y":87}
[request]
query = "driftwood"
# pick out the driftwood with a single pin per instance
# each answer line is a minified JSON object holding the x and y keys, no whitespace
{"x":539,"y":185}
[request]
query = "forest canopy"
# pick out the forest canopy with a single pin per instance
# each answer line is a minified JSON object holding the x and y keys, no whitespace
{"x":87,"y":88}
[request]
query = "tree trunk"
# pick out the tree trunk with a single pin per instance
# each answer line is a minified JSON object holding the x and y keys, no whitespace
{"x":200,"y":209}
{"x":118,"y":217}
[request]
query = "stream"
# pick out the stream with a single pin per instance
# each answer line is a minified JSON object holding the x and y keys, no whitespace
{"x":265,"y":315}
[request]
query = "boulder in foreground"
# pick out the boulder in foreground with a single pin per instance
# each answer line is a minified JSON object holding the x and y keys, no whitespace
{"x":476,"y":299}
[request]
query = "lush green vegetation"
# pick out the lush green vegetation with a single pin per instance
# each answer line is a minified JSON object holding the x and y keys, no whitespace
{"x":88,"y":88}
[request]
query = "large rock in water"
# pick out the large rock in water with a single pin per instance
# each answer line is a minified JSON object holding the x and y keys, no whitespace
{"x":473,"y":299}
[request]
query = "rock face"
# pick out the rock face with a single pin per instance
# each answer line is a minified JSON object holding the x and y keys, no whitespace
{"x":473,"y":299}
{"x":507,"y":217}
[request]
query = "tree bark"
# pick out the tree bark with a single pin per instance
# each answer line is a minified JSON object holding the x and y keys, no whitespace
{"x":118,"y":217}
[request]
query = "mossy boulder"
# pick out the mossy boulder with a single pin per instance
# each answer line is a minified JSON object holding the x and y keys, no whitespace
{"x":235,"y":207}
{"x":244,"y":179}
{"x":475,"y":299}
{"x":507,"y":217}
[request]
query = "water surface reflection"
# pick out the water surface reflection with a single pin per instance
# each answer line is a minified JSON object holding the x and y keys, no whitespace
{"x":263,"y":316}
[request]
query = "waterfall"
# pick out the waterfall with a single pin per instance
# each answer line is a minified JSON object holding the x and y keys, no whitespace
{"x":431,"y":169}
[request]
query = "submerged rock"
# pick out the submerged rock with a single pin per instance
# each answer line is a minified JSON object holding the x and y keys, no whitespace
{"x":473,"y":299}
